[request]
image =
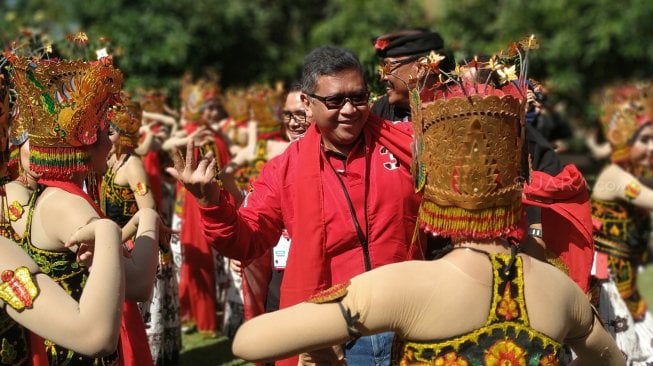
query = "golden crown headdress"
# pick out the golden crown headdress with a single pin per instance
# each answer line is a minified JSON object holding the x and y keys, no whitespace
{"x":624,"y":109}
{"x":152,"y":100}
{"x":265,"y":105}
{"x":126,"y":118}
{"x":468,"y":144}
{"x":196,"y":96}
{"x":62,"y":105}
{"x":235,"y":103}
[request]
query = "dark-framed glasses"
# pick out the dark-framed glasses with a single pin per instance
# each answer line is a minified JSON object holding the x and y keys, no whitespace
{"x":338,"y":101}
{"x":298,"y":116}
{"x":387,"y":68}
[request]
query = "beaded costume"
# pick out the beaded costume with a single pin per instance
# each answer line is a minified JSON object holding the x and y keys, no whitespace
{"x":14,"y":338}
{"x":15,"y":347}
{"x":622,"y":239}
{"x":64,"y":269}
{"x":197,"y":283}
{"x":161,"y":312}
{"x":61,"y":106}
{"x":623,"y":236}
{"x":505,"y":337}
{"x":117,"y":201}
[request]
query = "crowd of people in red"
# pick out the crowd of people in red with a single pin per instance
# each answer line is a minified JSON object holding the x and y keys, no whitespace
{"x":317,"y":223}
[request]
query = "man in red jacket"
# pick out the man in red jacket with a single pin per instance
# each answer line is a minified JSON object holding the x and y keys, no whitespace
{"x":344,"y":192}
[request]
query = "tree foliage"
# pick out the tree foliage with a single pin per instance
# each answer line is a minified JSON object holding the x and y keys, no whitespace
{"x":584,"y":43}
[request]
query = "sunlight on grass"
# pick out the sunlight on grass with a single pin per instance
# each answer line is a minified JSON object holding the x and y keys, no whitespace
{"x":200,"y":351}
{"x":645,"y":284}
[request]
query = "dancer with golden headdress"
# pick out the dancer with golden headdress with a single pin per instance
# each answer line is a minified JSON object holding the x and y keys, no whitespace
{"x":36,"y":303}
{"x":197,"y":283}
{"x":161,"y":311}
{"x":622,"y":204}
{"x":125,"y":190}
{"x":64,"y":105}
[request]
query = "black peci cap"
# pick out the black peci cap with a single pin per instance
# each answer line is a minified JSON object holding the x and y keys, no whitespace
{"x":408,"y":42}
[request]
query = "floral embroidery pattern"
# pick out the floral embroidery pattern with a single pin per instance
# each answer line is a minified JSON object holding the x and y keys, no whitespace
{"x":451,"y":359}
{"x":119,"y":202}
{"x":505,"y":352}
{"x":8,"y":352}
{"x":508,"y":307}
{"x":549,"y":360}
{"x":505,"y":339}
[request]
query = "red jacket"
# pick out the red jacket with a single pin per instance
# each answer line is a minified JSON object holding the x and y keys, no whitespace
{"x":392,"y":205}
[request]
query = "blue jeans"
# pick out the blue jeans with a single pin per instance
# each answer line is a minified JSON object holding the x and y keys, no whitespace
{"x":371,"y":350}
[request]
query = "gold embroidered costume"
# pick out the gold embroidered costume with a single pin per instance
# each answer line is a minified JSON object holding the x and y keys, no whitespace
{"x":505,"y":338}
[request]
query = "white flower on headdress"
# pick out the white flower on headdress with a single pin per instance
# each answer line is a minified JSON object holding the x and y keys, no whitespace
{"x":101,"y":53}
{"x":507,"y":74}
{"x":431,"y":62}
{"x":493,"y":64}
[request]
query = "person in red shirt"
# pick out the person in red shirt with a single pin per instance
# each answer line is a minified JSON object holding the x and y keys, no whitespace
{"x":344,"y":192}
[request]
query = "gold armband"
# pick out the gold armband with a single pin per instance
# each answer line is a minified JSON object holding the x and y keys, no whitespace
{"x":15,"y":211}
{"x":18,"y":288}
{"x":141,"y":189}
{"x":632,"y":190}
{"x":333,"y":293}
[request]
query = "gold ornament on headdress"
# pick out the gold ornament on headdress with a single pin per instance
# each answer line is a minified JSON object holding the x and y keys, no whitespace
{"x":235,"y":103}
{"x":62,"y":105}
{"x":198,"y":95}
{"x":152,"y":100}
{"x":625,"y":109}
{"x":126,"y":119}
{"x":468,"y":147}
{"x":265,"y":106}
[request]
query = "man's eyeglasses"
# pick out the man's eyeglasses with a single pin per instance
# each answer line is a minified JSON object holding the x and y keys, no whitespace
{"x":298,"y":116}
{"x":387,"y":68}
{"x":338,"y":101}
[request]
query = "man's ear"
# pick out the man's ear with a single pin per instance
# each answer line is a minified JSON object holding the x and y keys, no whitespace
{"x":307,"y":106}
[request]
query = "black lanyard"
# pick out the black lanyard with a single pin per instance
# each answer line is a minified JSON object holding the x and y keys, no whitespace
{"x":362,"y":237}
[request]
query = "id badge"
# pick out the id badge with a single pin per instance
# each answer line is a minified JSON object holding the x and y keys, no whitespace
{"x":280,"y":252}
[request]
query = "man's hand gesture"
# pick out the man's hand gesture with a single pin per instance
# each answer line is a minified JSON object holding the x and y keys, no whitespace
{"x":197,"y":177}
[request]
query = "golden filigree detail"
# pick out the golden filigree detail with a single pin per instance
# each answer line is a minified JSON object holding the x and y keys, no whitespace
{"x":126,"y":119}
{"x":68,"y":99}
{"x":472,"y":151}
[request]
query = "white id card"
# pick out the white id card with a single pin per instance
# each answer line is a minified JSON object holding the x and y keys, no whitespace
{"x":280,"y":252}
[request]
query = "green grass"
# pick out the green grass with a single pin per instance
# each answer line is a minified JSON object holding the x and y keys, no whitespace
{"x":199,"y":351}
{"x":645,"y":284}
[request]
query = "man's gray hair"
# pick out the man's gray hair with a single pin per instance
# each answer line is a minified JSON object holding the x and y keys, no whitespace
{"x":327,"y":60}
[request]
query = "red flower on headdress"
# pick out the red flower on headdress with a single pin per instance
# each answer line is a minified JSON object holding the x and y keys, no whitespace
{"x":9,"y":55}
{"x":381,"y":44}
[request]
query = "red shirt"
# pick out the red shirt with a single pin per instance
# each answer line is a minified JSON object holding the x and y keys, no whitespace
{"x":388,"y":222}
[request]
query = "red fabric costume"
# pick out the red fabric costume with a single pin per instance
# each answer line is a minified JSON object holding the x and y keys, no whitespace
{"x":299,"y":190}
{"x":566,"y":219}
{"x":197,"y":296}
{"x":152,"y":165}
